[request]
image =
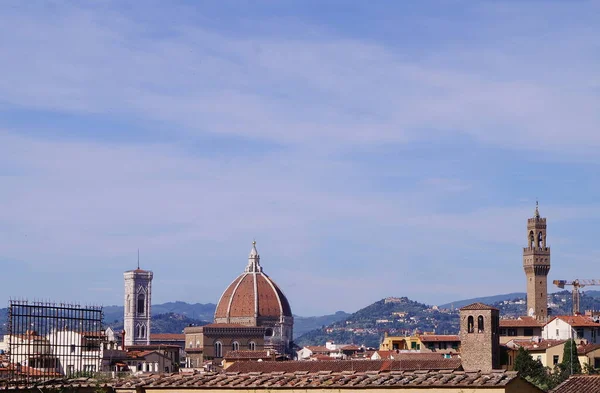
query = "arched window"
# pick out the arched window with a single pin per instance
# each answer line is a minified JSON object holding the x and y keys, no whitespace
{"x":268,"y":332}
{"x":235,"y":346}
{"x":218,"y":349}
{"x":142,"y":331}
{"x":470,"y":324}
{"x":540,"y":239}
{"x":141,"y":303}
{"x":480,"y":324}
{"x":531,"y":239}
{"x":252,"y":346}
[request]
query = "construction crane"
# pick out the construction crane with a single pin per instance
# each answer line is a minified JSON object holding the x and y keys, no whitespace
{"x":576,"y":285}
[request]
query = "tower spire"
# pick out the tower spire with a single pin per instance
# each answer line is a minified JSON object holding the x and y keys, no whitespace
{"x":138,"y":258}
{"x":537,"y":210}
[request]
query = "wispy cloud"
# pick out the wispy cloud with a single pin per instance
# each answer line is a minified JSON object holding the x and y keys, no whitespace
{"x":354,"y":159}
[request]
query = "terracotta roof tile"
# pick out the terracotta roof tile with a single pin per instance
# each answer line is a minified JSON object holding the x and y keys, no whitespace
{"x":438,"y":337}
{"x":167,"y":336}
{"x":584,"y":349}
{"x":579,"y":384}
{"x":478,"y":306}
{"x":403,"y":363}
{"x":578,"y":320}
{"x":247,"y":354}
{"x":520,"y":322}
{"x":303,"y":380}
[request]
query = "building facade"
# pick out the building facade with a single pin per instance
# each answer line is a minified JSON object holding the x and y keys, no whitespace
{"x":137,"y":304}
{"x":536,"y":263}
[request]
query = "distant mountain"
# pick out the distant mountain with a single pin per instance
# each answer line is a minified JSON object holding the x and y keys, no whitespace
{"x":305,"y":324}
{"x":172,"y":317}
{"x":401,"y":316}
{"x":396,"y":316}
{"x":485,"y":300}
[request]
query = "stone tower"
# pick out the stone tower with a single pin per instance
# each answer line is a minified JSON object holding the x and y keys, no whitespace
{"x":536,"y":262}
{"x":479,"y":337}
{"x":138,"y":295}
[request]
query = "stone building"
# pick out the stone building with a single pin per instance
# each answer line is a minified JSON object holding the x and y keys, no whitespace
{"x":536,"y":262}
{"x":479,"y":337}
{"x":252,"y":314}
{"x":253,"y":299}
{"x":138,"y":294}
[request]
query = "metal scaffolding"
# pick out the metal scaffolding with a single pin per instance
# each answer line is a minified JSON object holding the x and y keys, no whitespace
{"x":50,"y":340}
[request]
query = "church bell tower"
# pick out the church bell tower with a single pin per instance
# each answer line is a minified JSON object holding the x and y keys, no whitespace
{"x":138,"y":293}
{"x":536,"y":262}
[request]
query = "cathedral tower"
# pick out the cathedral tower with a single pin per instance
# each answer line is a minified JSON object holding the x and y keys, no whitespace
{"x":536,"y":262}
{"x":138,"y":293}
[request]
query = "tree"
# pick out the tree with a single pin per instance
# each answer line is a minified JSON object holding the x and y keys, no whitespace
{"x":527,"y":366}
{"x":570,"y":362}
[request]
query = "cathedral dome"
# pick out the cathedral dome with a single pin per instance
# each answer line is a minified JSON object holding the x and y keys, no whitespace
{"x":252,"y":297}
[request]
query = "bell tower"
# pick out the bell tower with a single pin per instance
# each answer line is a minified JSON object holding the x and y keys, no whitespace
{"x":138,"y":294}
{"x":536,"y":262}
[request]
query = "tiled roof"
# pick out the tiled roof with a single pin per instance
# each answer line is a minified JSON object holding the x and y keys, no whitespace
{"x":438,"y":337}
{"x":268,"y":381}
{"x":317,"y":348}
{"x":578,"y":320}
{"x":252,"y":294}
{"x":520,"y":322}
{"x":579,"y":384}
{"x":167,"y":336}
{"x":302,"y":380}
{"x":232,"y":355}
{"x":478,"y":306}
{"x":587,"y":348}
{"x":537,"y":345}
{"x":404,"y":363}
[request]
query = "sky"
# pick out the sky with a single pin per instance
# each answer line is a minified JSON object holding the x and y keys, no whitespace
{"x":372,"y":149}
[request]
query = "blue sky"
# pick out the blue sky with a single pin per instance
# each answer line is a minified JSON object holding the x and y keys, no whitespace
{"x":371,"y":149}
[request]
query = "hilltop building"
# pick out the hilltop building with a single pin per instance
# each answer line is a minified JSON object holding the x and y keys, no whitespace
{"x":138,"y":294}
{"x":536,"y":263}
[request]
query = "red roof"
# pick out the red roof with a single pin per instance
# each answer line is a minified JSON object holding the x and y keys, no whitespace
{"x":243,"y":354}
{"x":537,"y":346}
{"x":587,"y":348}
{"x":578,"y":320}
{"x":520,"y":322}
{"x":167,"y":337}
{"x":579,"y":384}
{"x":478,"y":306}
{"x":438,"y":363}
{"x":317,"y":348}
{"x":438,"y":337}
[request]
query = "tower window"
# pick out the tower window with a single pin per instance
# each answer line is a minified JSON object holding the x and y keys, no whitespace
{"x":235,"y":346}
{"x":480,"y":324}
{"x":470,"y":324}
{"x":540,"y":239}
{"x":269,"y":332}
{"x":141,"y":303}
{"x":252,"y":345}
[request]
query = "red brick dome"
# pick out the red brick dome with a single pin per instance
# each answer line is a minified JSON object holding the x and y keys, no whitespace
{"x":252,"y":295}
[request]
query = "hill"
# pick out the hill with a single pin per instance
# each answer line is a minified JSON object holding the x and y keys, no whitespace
{"x":397,"y":316}
{"x":172,"y":317}
{"x":400,"y":316}
{"x":486,"y":300}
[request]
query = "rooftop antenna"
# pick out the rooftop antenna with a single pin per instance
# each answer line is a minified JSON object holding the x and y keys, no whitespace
{"x":138,"y":258}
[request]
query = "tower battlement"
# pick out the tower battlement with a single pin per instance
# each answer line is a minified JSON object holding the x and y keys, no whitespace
{"x":536,"y":263}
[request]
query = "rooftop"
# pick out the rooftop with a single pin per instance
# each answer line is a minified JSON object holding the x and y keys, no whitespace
{"x":579,"y":384}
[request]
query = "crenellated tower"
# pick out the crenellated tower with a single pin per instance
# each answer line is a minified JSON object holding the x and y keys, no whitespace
{"x":536,"y":262}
